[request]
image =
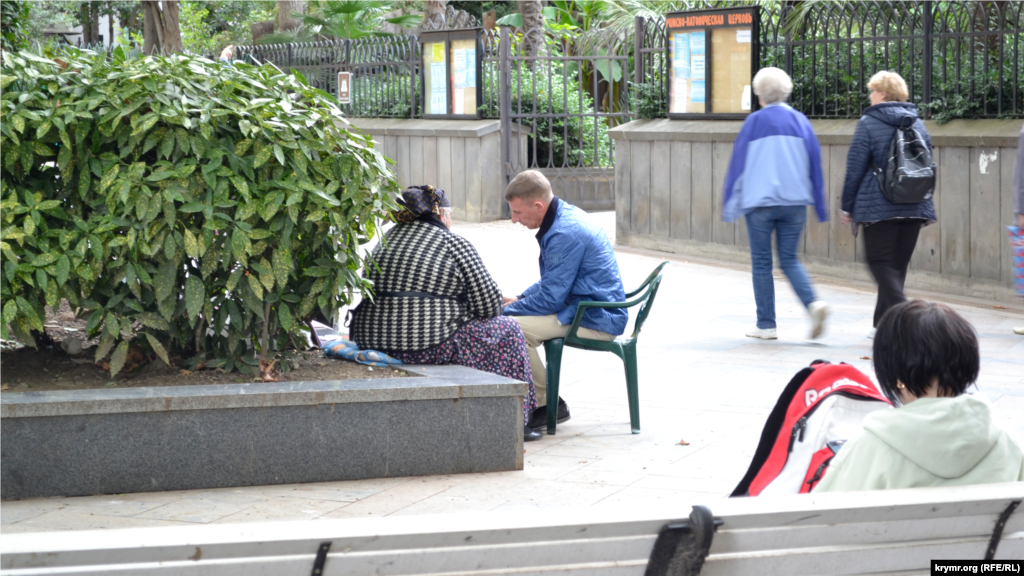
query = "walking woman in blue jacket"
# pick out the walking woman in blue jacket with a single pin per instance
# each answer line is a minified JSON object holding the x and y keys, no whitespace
{"x":774,"y":174}
{"x":890,"y":230}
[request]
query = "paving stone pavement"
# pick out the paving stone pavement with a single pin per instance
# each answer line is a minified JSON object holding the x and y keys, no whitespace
{"x":701,"y":381}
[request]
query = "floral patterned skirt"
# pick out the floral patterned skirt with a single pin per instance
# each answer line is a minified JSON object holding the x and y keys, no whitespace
{"x":494,"y":345}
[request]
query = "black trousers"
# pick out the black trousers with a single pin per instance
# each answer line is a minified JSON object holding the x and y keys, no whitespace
{"x":889,"y":245}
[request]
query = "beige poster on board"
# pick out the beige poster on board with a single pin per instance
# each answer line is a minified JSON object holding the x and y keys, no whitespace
{"x":730,"y":76}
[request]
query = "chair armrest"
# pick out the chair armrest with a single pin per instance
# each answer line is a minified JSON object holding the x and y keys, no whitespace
{"x":585,"y":304}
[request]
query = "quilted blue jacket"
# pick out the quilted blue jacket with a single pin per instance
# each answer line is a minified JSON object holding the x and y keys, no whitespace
{"x":576,"y":263}
{"x":862,"y":195}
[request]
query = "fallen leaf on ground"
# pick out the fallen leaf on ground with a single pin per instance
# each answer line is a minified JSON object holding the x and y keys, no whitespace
{"x":186,"y":372}
{"x":582,"y":462}
{"x":683,"y":443}
{"x":3,"y":387}
{"x":267,"y":371}
{"x":865,"y":357}
{"x":1000,"y":307}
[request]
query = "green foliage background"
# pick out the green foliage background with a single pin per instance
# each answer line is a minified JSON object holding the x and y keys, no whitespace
{"x":576,"y":140}
{"x":191,"y":207}
{"x":14,"y":22}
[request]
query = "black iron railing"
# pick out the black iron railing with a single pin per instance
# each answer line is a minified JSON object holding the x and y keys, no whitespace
{"x":960,"y":59}
{"x":385,"y":70}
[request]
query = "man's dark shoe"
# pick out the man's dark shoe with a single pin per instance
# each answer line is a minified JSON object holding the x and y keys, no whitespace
{"x":539,"y":417}
{"x":531,"y":435}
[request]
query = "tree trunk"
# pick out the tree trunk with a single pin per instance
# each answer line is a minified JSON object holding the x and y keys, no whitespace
{"x":284,"y":14}
{"x":261,"y":29}
{"x":160,"y":27}
{"x":986,"y":15}
{"x":89,"y":18}
{"x":533,"y":27}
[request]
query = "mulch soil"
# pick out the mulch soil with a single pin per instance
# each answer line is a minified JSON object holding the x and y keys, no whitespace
{"x":50,"y":368}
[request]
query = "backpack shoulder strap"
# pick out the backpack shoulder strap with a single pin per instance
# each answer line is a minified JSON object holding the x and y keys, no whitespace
{"x":771,"y":428}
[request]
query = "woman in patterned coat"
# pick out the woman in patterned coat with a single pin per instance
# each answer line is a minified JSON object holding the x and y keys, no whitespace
{"x":435,"y":303}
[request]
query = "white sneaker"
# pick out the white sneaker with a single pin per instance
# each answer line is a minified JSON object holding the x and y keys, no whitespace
{"x":871,"y":335}
{"x":1019,"y":330}
{"x":763,"y":333}
{"x":819,"y":312}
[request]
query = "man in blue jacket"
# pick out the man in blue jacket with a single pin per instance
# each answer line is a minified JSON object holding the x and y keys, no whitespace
{"x":576,"y":263}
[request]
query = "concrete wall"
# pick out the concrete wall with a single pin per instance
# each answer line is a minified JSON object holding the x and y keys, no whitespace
{"x":591,"y":189}
{"x":669,"y":177}
{"x":462,"y":157}
{"x":437,"y":420}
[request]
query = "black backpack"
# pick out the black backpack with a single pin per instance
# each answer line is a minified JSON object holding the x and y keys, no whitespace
{"x":908,"y":176}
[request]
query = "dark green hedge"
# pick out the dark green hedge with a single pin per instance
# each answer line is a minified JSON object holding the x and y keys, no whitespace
{"x":193,"y":208}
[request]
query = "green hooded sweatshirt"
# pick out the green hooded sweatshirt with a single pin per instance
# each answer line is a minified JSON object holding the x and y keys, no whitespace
{"x":928,"y":442}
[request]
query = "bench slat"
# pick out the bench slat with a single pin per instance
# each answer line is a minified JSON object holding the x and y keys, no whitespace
{"x":473,"y":559}
{"x":850,"y":560}
{"x":846,"y":533}
{"x":812,"y":511}
{"x":291,"y":566}
{"x":732,"y":541}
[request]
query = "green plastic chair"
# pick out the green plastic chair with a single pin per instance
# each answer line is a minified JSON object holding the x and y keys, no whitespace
{"x":623,"y":347}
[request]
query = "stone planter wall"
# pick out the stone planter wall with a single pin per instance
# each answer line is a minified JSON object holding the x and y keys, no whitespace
{"x":669,"y":176}
{"x":440,"y":420}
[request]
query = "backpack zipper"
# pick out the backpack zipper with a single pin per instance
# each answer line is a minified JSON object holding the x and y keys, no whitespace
{"x":801,"y":425}
{"x":820,"y":471}
{"x":798,"y":430}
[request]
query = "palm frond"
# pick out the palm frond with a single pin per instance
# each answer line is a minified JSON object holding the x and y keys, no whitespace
{"x":405,"y":20}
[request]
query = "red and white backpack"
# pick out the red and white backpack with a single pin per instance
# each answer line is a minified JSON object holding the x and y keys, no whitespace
{"x":822,"y":407}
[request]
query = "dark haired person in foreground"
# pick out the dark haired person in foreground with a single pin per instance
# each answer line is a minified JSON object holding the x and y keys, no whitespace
{"x":926,"y":355}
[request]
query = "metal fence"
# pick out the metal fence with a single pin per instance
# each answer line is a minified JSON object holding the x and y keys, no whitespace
{"x":385,"y":71}
{"x":961,"y":59}
{"x":565,"y":90}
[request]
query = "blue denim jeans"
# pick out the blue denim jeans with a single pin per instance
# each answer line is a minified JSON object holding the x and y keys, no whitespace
{"x":788,"y":223}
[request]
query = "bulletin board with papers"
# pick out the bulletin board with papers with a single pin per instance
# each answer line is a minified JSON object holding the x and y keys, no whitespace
{"x":451,"y":72}
{"x":712,"y":57}
{"x":435,"y":86}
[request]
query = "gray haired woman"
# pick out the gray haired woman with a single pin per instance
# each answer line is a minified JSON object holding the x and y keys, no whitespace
{"x":775,"y":172}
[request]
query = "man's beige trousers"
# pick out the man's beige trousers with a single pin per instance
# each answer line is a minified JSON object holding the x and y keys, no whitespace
{"x":537,"y":330}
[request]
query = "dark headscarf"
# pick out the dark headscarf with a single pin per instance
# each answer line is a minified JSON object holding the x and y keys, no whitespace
{"x":419,"y":200}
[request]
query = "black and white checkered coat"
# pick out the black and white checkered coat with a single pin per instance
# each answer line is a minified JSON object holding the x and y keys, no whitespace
{"x":445,"y":270}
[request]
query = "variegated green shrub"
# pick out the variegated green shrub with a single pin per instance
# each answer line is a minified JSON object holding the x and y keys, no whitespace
{"x":193,"y":208}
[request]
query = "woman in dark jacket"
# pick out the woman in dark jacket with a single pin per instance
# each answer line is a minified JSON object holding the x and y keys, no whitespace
{"x":435,"y":303}
{"x":890,"y":230}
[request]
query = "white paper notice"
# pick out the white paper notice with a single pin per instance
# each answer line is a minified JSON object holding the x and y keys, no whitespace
{"x":743,"y":36}
{"x":679,"y":96}
{"x":745,"y":98}
{"x":459,"y":102}
{"x":438,"y":89}
{"x":697,"y":66}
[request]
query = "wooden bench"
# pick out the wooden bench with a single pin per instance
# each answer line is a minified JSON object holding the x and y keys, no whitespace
{"x":884,"y":532}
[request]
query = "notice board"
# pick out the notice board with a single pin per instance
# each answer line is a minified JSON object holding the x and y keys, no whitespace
{"x":434,"y":84}
{"x":463,"y":76}
{"x":451,"y":69}
{"x":712,"y":57}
